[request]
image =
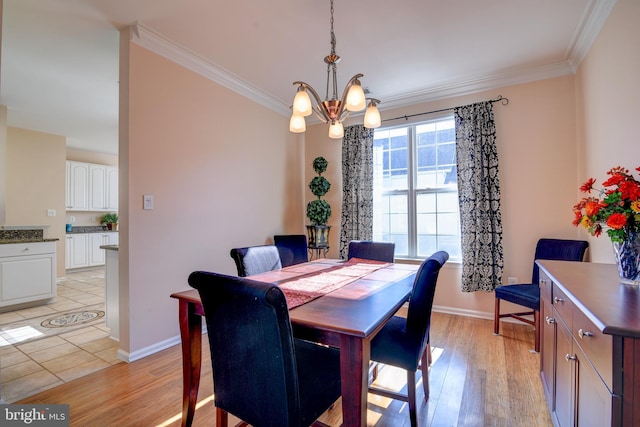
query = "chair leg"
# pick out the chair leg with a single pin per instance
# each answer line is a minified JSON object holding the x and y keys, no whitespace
{"x":536,"y":320}
{"x":496,"y":318}
{"x":222,"y":418}
{"x":411,"y":394}
{"x":429,"y":359}
{"x":425,"y":371}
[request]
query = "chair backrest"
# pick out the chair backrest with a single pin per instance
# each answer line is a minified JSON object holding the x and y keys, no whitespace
{"x":368,"y":249}
{"x":252,"y":350}
{"x":292,"y":248}
{"x":256,"y":259}
{"x":421,"y":303}
{"x":558,"y":249}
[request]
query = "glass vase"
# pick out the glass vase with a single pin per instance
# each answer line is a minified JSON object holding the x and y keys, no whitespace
{"x":628,"y":259}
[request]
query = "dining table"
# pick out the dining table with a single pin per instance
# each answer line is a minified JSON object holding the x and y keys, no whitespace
{"x":347,"y":317}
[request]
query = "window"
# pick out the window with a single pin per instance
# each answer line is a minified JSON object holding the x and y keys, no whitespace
{"x":415,"y":188}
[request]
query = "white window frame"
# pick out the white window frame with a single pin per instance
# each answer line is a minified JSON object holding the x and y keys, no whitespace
{"x":412,"y":192}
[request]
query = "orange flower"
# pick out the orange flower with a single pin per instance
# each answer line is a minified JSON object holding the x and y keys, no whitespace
{"x":617,"y":220}
{"x":592,"y":207}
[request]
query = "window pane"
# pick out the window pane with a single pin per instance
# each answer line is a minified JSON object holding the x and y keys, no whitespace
{"x":431,"y":221}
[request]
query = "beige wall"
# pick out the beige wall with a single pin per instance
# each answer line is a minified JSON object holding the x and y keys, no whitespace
{"x":224,"y":172}
{"x":36,"y":183}
{"x":608,"y":88}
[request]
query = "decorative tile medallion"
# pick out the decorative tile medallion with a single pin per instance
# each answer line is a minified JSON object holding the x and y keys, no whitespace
{"x":71,"y":319}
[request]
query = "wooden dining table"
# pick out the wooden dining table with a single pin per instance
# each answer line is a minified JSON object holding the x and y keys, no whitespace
{"x":346,"y":318}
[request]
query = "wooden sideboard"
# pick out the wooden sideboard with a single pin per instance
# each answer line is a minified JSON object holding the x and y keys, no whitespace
{"x":590,"y":345}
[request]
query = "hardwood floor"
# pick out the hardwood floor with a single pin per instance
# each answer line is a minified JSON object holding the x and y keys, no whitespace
{"x":476,"y":379}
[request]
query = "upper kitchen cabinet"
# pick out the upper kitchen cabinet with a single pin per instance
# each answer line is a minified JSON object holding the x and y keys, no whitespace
{"x":77,"y":193}
{"x":103,"y":190}
{"x":91,"y":187}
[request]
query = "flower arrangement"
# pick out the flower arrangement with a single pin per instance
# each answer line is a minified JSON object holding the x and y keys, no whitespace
{"x":617,"y":206}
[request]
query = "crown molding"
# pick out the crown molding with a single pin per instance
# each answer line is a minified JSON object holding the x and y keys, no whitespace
{"x":478,"y":83}
{"x":586,"y":33}
{"x":166,"y":48}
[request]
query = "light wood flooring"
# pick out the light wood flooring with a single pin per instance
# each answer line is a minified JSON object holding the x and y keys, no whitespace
{"x":477,"y":379}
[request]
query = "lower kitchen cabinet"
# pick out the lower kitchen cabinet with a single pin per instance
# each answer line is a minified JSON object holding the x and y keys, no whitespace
{"x":83,"y":249}
{"x":587,"y":345}
{"x":27,"y":272}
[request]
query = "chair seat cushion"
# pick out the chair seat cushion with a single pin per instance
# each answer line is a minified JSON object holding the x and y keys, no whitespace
{"x":318,"y":378}
{"x":392,"y":346}
{"x":527,"y":295}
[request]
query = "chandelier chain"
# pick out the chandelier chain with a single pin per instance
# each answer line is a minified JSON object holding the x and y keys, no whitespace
{"x":333,"y":36}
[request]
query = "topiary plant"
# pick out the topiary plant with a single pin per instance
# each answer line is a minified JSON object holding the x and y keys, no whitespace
{"x":318,"y":210}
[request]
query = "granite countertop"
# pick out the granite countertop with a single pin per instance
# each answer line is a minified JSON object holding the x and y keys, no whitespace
{"x":81,"y":229}
{"x":22,"y":235}
{"x":109,"y":247}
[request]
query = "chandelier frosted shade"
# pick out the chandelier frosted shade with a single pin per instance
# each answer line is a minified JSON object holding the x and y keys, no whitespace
{"x":302,"y":103}
{"x":336,"y":130}
{"x":356,"y":100}
{"x":297,"y":124}
{"x":372,"y":115}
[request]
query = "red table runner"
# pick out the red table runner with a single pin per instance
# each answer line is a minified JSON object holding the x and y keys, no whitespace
{"x":306,"y":289}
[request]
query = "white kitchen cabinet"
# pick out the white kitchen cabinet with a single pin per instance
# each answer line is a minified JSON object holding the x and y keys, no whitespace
{"x":97,"y":255}
{"x":83,"y":249}
{"x":91,"y":187}
{"x":77,"y":250}
{"x":27,"y":272}
{"x":77,"y":189}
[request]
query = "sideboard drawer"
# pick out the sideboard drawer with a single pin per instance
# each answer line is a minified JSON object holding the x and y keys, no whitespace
{"x":563,"y":306}
{"x":595,"y":345}
{"x":545,"y":286}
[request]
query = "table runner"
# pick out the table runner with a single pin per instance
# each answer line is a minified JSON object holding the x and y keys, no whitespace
{"x":303,"y":290}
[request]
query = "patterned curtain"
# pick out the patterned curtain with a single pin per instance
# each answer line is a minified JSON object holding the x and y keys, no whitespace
{"x":479,"y":197}
{"x":357,"y":186}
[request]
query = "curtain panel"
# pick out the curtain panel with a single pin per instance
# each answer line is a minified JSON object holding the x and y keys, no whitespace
{"x":479,"y":197}
{"x":357,"y":186}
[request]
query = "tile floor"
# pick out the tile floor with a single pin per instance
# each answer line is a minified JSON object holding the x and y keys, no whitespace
{"x":34,"y":358}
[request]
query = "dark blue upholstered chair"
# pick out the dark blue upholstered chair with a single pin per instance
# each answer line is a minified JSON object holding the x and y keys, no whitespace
{"x":256,"y":259}
{"x":367,"y":249}
{"x":261,"y":374}
{"x":404,"y":342}
{"x":528,"y":294}
{"x":292,"y":248}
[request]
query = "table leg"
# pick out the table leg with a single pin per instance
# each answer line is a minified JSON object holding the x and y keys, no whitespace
{"x":354,"y":359}
{"x":191,"y":335}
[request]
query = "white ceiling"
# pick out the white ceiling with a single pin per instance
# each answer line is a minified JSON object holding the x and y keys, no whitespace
{"x":59,"y":67}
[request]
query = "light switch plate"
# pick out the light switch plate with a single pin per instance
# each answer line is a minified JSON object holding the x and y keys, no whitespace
{"x":147,"y":202}
{"x":51,"y":212}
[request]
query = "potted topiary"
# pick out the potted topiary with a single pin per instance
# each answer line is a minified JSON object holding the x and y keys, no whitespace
{"x":319,"y":210}
{"x":110,"y":220}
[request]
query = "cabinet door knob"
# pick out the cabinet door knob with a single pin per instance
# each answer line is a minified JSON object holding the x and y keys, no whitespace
{"x":569,"y":357}
{"x":549,"y":320}
{"x":557,"y":300}
{"x":582,"y":333}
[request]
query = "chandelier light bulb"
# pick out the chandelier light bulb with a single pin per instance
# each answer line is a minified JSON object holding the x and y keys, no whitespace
{"x":372,"y":116}
{"x":356,"y":100}
{"x":297,"y":124}
{"x":336,"y":130}
{"x":302,"y":103}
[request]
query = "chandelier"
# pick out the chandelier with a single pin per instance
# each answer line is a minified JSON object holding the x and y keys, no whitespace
{"x":333,"y":110}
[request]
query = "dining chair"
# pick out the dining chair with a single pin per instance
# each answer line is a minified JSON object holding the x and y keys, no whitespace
{"x":404,"y":342}
{"x":261,"y":373}
{"x":368,"y":249}
{"x":256,"y":259}
{"x":528,"y":294}
{"x":292,"y":248}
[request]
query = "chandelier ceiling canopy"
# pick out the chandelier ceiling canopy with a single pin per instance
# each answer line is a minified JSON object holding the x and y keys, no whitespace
{"x":333,"y":110}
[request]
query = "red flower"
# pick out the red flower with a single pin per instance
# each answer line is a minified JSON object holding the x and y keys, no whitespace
{"x":614,"y":180}
{"x":588,"y":186}
{"x":617,"y":220}
{"x":629,"y":190}
{"x":592,"y":207}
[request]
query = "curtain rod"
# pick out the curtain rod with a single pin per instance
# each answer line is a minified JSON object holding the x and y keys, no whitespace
{"x":500,"y":98}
